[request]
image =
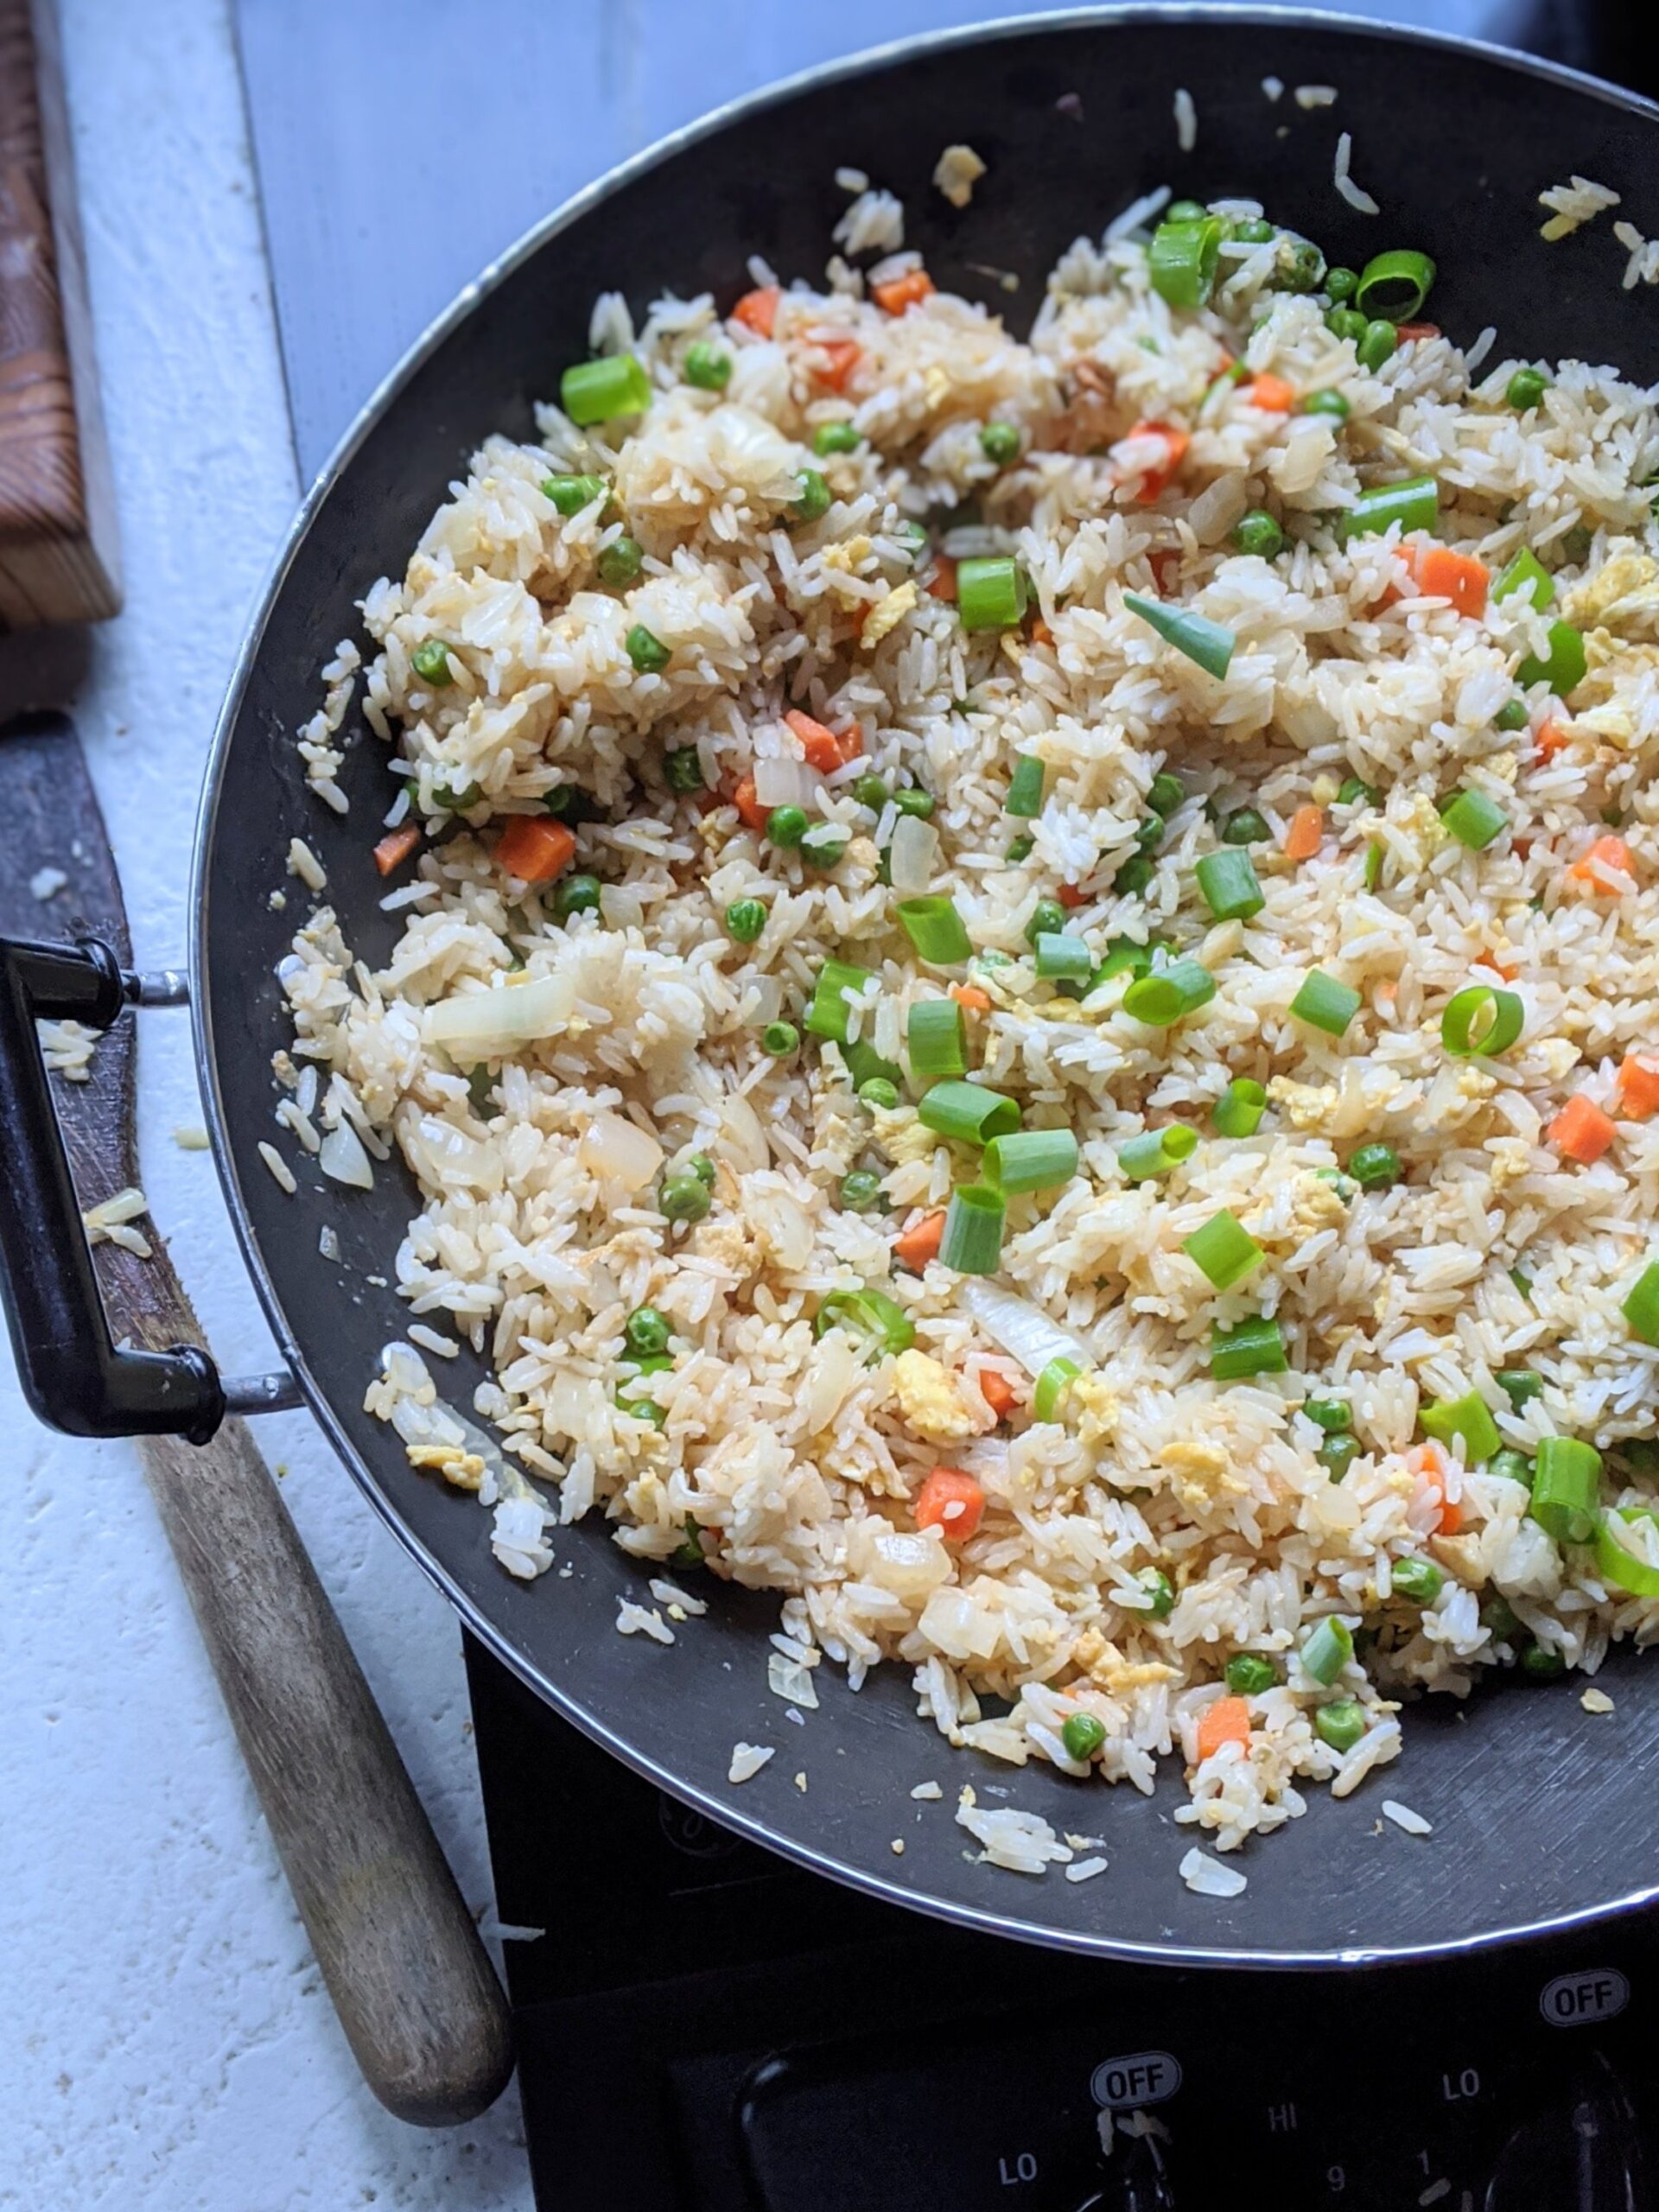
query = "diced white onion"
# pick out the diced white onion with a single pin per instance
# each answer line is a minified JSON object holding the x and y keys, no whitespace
{"x":618,"y":1151}
{"x":483,"y":1025}
{"x":784,"y":780}
{"x":742,"y":1141}
{"x":781,"y":1218}
{"x":747,"y":450}
{"x":913,"y":856}
{"x":1021,"y":1329}
{"x":1218,"y":506}
{"x":342,"y":1158}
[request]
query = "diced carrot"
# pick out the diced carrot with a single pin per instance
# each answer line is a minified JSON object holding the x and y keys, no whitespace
{"x":1405,"y":332}
{"x":851,"y":742}
{"x":970,"y":998}
{"x":1443,"y":573}
{"x":1272,"y":394}
{"x":1224,"y":362}
{"x":1551,"y":739}
{"x":396,"y":847}
{"x":920,"y":1243}
{"x":1612,"y":852}
{"x":1226,"y":1722}
{"x":1430,"y":1460}
{"x":1155,"y":480}
{"x":941,"y":584}
{"x":1450,"y":1519}
{"x":1305,"y":834}
{"x":535,"y":849}
{"x":1582,"y":1131}
{"x":905,"y":291}
{"x":1499,"y":967}
{"x":748,"y":805}
{"x":820,"y":746}
{"x":1162,"y":563}
{"x":841,"y":358}
{"x":1041,"y":632}
{"x":1071,"y":896}
{"x":998,"y":1392}
{"x":951,"y":1502}
{"x":758,"y":310}
{"x":1639,"y":1086}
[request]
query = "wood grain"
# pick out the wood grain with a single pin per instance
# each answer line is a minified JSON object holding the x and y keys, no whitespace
{"x":58,"y":555}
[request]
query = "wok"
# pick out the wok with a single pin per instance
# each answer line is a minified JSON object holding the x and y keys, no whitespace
{"x":1541,"y":1819}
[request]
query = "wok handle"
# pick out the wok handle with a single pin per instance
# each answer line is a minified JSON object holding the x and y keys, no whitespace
{"x":72,"y":1375}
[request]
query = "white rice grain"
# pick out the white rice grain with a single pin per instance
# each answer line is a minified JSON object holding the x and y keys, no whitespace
{"x":1186,"y":121}
{"x":1345,"y":185}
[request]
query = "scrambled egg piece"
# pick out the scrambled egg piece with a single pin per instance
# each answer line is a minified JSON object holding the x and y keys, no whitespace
{"x":728,"y":1245}
{"x":929,"y":1400}
{"x":904,"y":1137}
{"x":1200,"y":1471}
{"x":1109,"y":1670}
{"x":464,"y":1468}
{"x":845,"y":555}
{"x":935,"y":386}
{"x":1097,"y":1406}
{"x":1422,"y":820}
{"x":887,"y":613}
{"x":1623,"y":590}
{"x":1510,"y":1160}
{"x":1316,"y":1205}
{"x":1305,"y":1105}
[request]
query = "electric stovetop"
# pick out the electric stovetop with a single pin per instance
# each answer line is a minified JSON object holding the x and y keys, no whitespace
{"x":701,"y":2027}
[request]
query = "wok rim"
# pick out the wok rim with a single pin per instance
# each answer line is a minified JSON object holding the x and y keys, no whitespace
{"x":726,"y":1812}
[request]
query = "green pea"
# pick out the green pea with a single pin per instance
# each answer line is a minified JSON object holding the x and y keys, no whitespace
{"x":1167,"y":792}
{"x":1245,"y":827}
{"x":620,"y":562}
{"x":1525,"y":388}
{"x":688,"y":1552}
{"x":878,"y":1094}
{"x":811,"y":502}
{"x":1185,"y":211}
{"x":430,"y":662}
{"x":1327,"y":402}
{"x":871,"y":790}
{"x":745,"y":919}
{"x":642,"y":1409}
{"x":1346,"y":322}
{"x":647,"y":652}
{"x":1253,"y":230}
{"x":1300,"y":265}
{"x":1514,"y":1466}
{"x":1021,"y":850}
{"x":1354,"y":790}
{"x":1542,"y":1662}
{"x":1334,"y":1416}
{"x":570,"y":494}
{"x":835,"y":437}
{"x":576,"y":895}
{"x":1575,"y":546}
{"x":912,"y":801}
{"x":1082,"y":1736}
{"x":1134,"y":877}
{"x":1047,"y":920}
{"x":710,"y":370}
{"x":1512,"y":715}
{"x":646,"y":1332}
{"x":1149,"y":834}
{"x":456,"y":802}
{"x":860,"y":1190}
{"x":1377,"y":345}
{"x":1000,"y":442}
{"x":1419,"y":1579}
{"x":684,"y":1197}
{"x":1337,"y":1454}
{"x":1340,"y":1724}
{"x":1499,"y":1619}
{"x":1259,"y":533}
{"x":1161,"y":1593}
{"x":1248,"y":1673}
{"x":703,"y":1167}
{"x":1341,"y":283}
{"x":1375,"y":1166}
{"x":785,"y":826}
{"x":683,"y":769}
{"x":779,"y":1040}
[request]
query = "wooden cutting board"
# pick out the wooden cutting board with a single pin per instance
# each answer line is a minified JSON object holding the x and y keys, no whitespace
{"x":58,"y":557}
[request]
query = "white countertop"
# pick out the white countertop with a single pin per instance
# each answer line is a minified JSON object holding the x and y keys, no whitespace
{"x":168,"y":2045}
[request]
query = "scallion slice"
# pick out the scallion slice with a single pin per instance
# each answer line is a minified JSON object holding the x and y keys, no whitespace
{"x":936,"y":1036}
{"x":1031,"y":1160}
{"x":936,"y":929}
{"x":1465,"y":1417}
{"x":1617,"y":1563}
{"x":1254,"y":1347}
{"x":1413,"y":504}
{"x":1526,"y":577}
{"x":1052,"y":1384}
{"x":1062,"y":959}
{"x":1228,"y":882}
{"x":1641,"y":1308}
{"x":1025,"y":796}
{"x":1224,"y":1250}
{"x":1565,"y":1483}
{"x":991,"y":593}
{"x":1327,"y":1649}
{"x":1206,"y":642}
{"x":967,"y":1112}
{"x":1123,"y":957}
{"x":598,"y":391}
{"x":1392,"y":286}
{"x":1563,"y":668}
{"x":1154,"y":1151}
{"x":1238,"y":1112}
{"x":1324,"y":1003}
{"x":972,"y":1243}
{"x":1161,"y":999}
{"x":1481,"y":1021}
{"x":870,"y":1314}
{"x":826,"y":1015}
{"x":1181,"y":260}
{"x":1373,"y":871}
{"x":1474,"y":820}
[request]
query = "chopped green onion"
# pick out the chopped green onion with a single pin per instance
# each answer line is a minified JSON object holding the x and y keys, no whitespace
{"x":1641,"y":1308}
{"x":1514,"y":1466}
{"x":1413,"y":504}
{"x":1355,"y":790}
{"x":1465,"y":1417}
{"x":1247,"y":1674}
{"x":1082,"y":1736}
{"x":1031,"y":1160}
{"x":1342,"y":1722}
{"x":1154,"y":1151}
{"x":1522,"y":1282}
{"x":1617,"y":1563}
{"x":870,"y":1314}
{"x":1474,"y":820}
{"x":1161,"y":1593}
{"x":967,"y":1112}
{"x":812,"y":500}
{"x":1374,"y":1167}
{"x":863,"y":1061}
{"x":1334,"y":1416}
{"x":1327,"y":1649}
{"x":1000,"y":442}
{"x":936,"y":1036}
{"x":1373,"y":875}
{"x":990,"y":593}
{"x":1376,"y":345}
{"x":745,"y":919}
{"x":1229,"y":885}
{"x":706,"y":366}
{"x":1394,"y":285}
{"x":430,"y":662}
{"x":1525,"y":388}
{"x":1224,"y":1250}
{"x":1254,"y":1347}
{"x":1238,"y":1112}
{"x":570,"y":494}
{"x":1563,"y":668}
{"x":1565,"y":1480}
{"x":1520,"y":1385}
{"x":972,"y":1243}
{"x":598,"y":391}
{"x":1205,"y":643}
{"x":1526,"y":576}
{"x":1481,"y":1021}
{"x":1244,"y":827}
{"x":822,"y":845}
{"x":827,"y":1015}
{"x":878,"y":1094}
{"x":1062,"y":959}
{"x":1025,"y":796}
{"x":785,"y":826}
{"x":1123,"y":957}
{"x":1337,"y":1454}
{"x":1052,"y":1384}
{"x":1161,"y":999}
{"x":647,"y":652}
{"x":835,"y":437}
{"x":1324,"y":1003}
{"x":780,"y":1039}
{"x":936,"y":929}
{"x":1259,"y":534}
{"x":1182,"y":259}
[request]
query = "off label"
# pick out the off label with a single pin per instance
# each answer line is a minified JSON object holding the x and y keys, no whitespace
{"x":1573,"y":2000}
{"x":1145,"y":2077}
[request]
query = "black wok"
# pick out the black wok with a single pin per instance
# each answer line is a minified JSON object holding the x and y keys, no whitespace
{"x":1540,"y":1819}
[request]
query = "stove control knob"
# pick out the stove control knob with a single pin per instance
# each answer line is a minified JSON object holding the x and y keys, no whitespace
{"x":1136,"y":2180}
{"x":1579,"y":2152}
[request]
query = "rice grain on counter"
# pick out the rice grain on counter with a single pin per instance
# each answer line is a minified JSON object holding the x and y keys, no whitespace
{"x":1114,"y":1284}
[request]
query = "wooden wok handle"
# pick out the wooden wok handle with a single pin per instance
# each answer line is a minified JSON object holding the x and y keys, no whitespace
{"x":413,"y":1989}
